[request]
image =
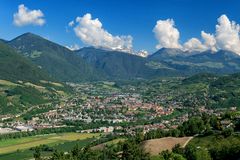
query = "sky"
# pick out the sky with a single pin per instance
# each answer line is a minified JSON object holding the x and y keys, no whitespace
{"x":128,"y":25}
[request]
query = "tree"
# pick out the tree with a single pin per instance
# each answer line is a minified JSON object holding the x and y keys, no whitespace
{"x":177,"y":149}
{"x":175,"y":133}
{"x":227,"y":132}
{"x":132,"y":151}
{"x":215,"y":123}
{"x":37,"y":153}
{"x":139,"y":137}
{"x":193,"y":126}
{"x":58,"y":155}
{"x":202,"y":154}
{"x":167,"y":155}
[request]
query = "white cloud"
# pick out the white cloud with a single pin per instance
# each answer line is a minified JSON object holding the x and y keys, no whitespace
{"x":209,"y":41}
{"x":73,"y":47}
{"x":24,"y":17}
{"x":91,"y":32}
{"x":194,"y":45}
{"x":141,"y":53}
{"x":70,"y":24}
{"x":227,"y":35}
{"x":166,"y":34}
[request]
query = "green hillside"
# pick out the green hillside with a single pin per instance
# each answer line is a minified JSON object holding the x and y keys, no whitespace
{"x":14,"y":67}
{"x":190,"y":63}
{"x":56,"y":60}
{"x":119,"y":65}
{"x":17,"y":97}
{"x":91,"y":64}
{"x":207,"y":90}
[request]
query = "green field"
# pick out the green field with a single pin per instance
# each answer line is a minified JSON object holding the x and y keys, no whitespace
{"x":28,"y":154}
{"x":13,"y":145}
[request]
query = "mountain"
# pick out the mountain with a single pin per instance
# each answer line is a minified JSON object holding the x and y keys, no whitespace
{"x":91,"y":64}
{"x":14,"y":67}
{"x":3,"y":40}
{"x":115,"y":64}
{"x":60,"y":62}
{"x":164,"y":53}
{"x":189,"y":63}
{"x":121,"y":65}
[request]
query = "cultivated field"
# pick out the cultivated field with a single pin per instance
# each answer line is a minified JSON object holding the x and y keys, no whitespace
{"x":12,"y":145}
{"x":156,"y":146}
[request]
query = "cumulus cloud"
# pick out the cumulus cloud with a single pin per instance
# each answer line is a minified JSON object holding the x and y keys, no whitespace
{"x":194,"y":45}
{"x":73,"y":47}
{"x":91,"y":32}
{"x":166,"y":34}
{"x":226,"y":37}
{"x":24,"y":17}
{"x":209,"y":41}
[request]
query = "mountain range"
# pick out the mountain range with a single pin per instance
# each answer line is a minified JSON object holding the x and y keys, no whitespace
{"x":31,"y":57}
{"x":56,"y":60}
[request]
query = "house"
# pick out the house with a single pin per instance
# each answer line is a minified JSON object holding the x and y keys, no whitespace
{"x":106,"y":129}
{"x":24,"y":128}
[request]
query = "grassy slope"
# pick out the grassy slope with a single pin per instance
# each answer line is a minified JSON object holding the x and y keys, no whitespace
{"x":58,"y":61}
{"x":15,"y":67}
{"x":16,"y":96}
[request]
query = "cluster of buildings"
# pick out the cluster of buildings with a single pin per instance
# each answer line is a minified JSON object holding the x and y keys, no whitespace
{"x":93,"y":102}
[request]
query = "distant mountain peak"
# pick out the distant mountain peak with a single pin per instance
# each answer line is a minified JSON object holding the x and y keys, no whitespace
{"x":167,"y":52}
{"x":28,"y":36}
{"x":58,"y":61}
{"x":29,"y":33}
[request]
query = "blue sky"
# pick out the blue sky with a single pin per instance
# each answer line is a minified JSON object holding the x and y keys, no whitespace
{"x":119,"y":17}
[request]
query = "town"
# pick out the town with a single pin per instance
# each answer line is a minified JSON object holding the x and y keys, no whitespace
{"x":107,"y":105}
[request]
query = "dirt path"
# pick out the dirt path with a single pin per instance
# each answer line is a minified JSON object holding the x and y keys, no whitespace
{"x":190,"y":138}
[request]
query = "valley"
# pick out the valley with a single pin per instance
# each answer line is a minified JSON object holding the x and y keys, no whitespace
{"x":119,"y":80}
{"x":87,"y":106}
{"x":95,"y":102}
{"x":116,"y":110}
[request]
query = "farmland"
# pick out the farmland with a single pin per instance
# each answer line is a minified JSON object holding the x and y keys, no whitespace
{"x":13,"y":145}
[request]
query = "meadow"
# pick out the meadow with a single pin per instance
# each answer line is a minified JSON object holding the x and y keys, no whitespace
{"x":65,"y":141}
